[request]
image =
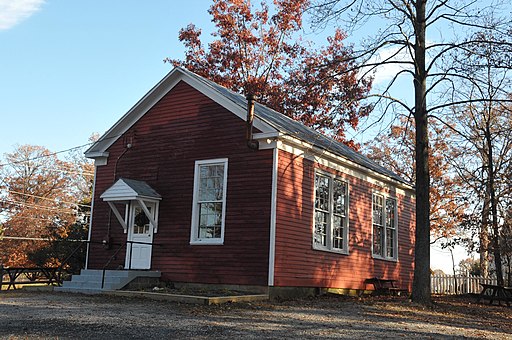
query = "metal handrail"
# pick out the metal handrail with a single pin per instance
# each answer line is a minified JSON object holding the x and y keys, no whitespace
{"x":117,"y":252}
{"x":73,"y":253}
{"x":108,"y":262}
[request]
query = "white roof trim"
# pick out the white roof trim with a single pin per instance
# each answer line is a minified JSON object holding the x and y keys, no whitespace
{"x":342,"y":161}
{"x":99,"y":148}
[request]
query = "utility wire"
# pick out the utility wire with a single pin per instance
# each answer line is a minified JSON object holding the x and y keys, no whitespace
{"x":34,"y":205}
{"x":49,"y":199}
{"x":58,"y":152}
{"x":47,"y":155}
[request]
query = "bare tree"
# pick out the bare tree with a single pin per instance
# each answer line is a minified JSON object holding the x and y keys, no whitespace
{"x":405,"y":25}
{"x":485,"y":128}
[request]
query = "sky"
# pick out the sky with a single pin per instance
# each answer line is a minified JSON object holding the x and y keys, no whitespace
{"x":69,"y":69}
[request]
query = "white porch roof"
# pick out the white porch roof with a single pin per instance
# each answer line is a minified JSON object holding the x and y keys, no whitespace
{"x":130,"y":190}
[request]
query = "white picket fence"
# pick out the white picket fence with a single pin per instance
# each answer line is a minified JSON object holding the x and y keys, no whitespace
{"x":445,"y":284}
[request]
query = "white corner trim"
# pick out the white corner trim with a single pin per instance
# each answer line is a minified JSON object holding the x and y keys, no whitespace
{"x":89,"y":232}
{"x":273,"y":215}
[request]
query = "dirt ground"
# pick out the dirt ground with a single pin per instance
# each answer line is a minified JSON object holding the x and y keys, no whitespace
{"x":30,"y":315}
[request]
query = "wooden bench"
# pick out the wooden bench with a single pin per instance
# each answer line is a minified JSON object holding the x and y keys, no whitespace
{"x":30,"y":276}
{"x":385,"y":286}
{"x":495,"y":293}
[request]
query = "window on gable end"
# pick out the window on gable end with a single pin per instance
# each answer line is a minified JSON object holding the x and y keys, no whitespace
{"x":330,"y":230}
{"x":209,"y":202}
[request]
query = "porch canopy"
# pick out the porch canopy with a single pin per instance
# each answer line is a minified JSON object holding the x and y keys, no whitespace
{"x":127,"y":191}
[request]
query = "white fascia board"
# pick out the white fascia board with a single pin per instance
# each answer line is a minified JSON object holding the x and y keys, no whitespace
{"x":267,"y":140}
{"x":95,"y":154}
{"x":136,"y":112}
{"x":309,"y":151}
{"x":150,"y":198}
{"x":120,"y":199}
{"x":100,"y":158}
{"x":157,"y":93}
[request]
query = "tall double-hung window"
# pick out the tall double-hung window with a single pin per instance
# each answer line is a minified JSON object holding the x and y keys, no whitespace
{"x":384,"y":227}
{"x":330,"y":230}
{"x":209,"y":202}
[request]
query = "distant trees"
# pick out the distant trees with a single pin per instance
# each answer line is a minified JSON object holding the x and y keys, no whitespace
{"x":259,"y":51}
{"x":42,"y":198}
{"x":395,"y":150}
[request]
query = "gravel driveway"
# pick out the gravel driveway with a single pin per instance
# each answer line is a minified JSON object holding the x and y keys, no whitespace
{"x":28,"y":315}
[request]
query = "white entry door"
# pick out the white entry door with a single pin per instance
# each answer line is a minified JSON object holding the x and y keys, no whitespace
{"x":140,"y":233}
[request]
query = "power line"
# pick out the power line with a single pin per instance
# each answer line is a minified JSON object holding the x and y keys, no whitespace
{"x":46,"y":198}
{"x":47,"y":155}
{"x":7,"y":200}
{"x":58,"y":152}
{"x":60,"y":170}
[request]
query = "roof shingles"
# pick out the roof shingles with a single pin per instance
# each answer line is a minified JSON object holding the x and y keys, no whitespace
{"x":296,"y":129}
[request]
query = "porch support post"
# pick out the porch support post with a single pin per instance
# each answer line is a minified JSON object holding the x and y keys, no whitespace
{"x":148,"y":213}
{"x":118,"y":216}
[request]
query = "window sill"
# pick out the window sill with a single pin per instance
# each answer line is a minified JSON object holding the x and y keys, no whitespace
{"x":388,"y":259}
{"x":207,"y":242}
{"x":340,"y":252}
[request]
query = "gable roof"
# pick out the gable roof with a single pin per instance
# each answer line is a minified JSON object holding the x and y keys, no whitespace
{"x":129,"y":189}
{"x":266,"y":120}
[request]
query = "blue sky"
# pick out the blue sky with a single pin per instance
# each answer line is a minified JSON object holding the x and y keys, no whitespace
{"x":72,"y":68}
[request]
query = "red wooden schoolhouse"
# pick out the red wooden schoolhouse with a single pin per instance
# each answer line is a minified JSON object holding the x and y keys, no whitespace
{"x":203,"y":187}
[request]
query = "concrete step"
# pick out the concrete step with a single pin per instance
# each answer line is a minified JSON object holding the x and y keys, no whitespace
{"x":91,"y":280}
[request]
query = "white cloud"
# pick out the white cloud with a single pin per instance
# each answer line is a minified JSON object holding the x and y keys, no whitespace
{"x":385,"y":73}
{"x":13,"y":12}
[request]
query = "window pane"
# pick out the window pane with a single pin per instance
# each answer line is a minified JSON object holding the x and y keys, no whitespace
{"x":337,"y":232}
{"x":390,"y":213}
{"x":141,"y":222}
{"x":211,"y":182}
{"x":377,"y":240}
{"x":210,"y":220}
{"x":390,"y":243}
{"x":322,"y":193}
{"x":378,"y":210}
{"x":321,"y":228}
{"x":390,"y":227}
{"x":339,"y":197}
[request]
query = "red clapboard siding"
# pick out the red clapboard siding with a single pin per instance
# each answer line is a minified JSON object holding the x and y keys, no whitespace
{"x":298,"y":264}
{"x":181,"y":128}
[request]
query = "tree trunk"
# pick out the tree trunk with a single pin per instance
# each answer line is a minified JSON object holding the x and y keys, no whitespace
{"x":484,"y":236}
{"x":494,"y":207}
{"x":421,"y":291}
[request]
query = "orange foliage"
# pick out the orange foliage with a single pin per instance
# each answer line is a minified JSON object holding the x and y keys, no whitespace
{"x":396,"y":152}
{"x":37,"y":195}
{"x":262,"y":54}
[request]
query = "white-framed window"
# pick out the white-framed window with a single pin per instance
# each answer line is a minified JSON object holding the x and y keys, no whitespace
{"x":209,"y":201}
{"x":330,"y":229}
{"x":384,"y":217}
